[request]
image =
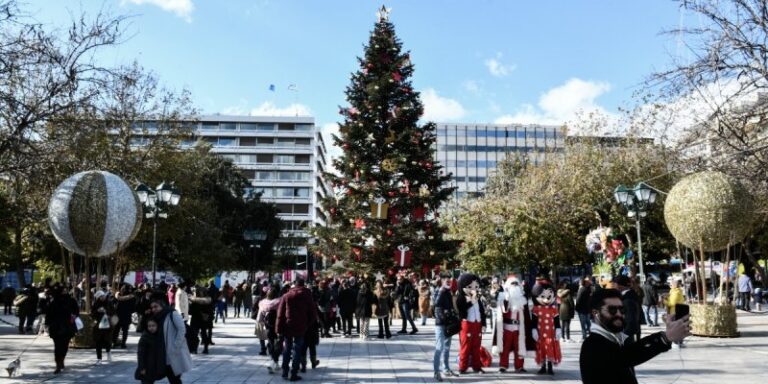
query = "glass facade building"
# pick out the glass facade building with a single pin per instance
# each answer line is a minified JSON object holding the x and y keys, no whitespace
{"x":471,"y":151}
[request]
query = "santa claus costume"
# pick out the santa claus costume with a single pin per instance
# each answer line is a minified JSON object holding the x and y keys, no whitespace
{"x":510,"y":323}
{"x":546,"y":326}
{"x":472,"y":315}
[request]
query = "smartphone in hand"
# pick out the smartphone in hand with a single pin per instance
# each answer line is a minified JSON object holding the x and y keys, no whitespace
{"x":681,"y":310}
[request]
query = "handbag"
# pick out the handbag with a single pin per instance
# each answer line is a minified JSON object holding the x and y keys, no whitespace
{"x":104,"y":322}
{"x":451,"y":324}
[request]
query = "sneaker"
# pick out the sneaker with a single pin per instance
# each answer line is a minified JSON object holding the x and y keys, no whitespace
{"x":414,"y":331}
{"x":315,"y":364}
{"x":98,"y":361}
{"x":437,"y":377}
{"x":449,"y":373}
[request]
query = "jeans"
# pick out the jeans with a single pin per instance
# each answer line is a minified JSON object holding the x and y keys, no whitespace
{"x":585,"y":323}
{"x":346,"y":324}
{"x":293,"y":344}
{"x":744,"y":300}
{"x":405,"y":312}
{"x":384,"y":327}
{"x":442,"y":347}
{"x":647,"y":312}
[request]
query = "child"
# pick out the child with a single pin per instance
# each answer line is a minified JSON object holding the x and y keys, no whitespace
{"x":150,"y":353}
{"x":221,"y":308}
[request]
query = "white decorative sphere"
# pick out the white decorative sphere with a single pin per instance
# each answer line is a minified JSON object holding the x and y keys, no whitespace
{"x":94,"y":213}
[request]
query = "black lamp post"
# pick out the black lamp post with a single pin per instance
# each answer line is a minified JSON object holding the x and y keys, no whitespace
{"x":636,"y":201}
{"x":155,"y":203}
{"x":254,"y":237}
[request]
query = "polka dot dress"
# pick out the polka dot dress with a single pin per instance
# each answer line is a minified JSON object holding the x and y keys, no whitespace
{"x":548,"y":347}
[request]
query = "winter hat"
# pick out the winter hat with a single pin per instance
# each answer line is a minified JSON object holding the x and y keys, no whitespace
{"x":99,"y":295}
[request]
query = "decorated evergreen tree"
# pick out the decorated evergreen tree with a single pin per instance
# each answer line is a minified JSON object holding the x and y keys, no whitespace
{"x":388,"y":187}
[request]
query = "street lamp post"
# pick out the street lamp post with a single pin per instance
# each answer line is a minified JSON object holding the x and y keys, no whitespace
{"x":636,"y":201}
{"x":254,"y":237}
{"x":154,"y":201}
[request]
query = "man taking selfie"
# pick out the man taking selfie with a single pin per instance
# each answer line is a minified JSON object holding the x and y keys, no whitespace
{"x":605,"y":357}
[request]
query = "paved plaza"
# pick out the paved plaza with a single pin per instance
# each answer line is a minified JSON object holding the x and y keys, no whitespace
{"x":402,"y":359}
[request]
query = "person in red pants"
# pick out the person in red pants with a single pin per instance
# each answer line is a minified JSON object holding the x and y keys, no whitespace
{"x":472,"y":315}
{"x":511,"y":323}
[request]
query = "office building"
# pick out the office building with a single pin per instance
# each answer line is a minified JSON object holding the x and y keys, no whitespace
{"x":471,"y":151}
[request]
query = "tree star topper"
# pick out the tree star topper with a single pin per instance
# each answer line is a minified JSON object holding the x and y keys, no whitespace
{"x":379,"y":276}
{"x":383,"y":13}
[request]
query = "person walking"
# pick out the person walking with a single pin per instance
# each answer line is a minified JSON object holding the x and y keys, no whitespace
{"x":26,"y":308}
{"x":269,"y":306}
{"x":407,"y":296}
{"x":745,"y":291}
{"x":150,"y":355}
{"x":9,"y":293}
{"x":172,"y":329}
{"x":443,"y":312}
{"x":238,"y":299}
{"x":631,"y":305}
{"x":101,"y":314}
{"x":650,"y":300}
{"x":364,"y":309}
{"x":295,"y":313}
{"x":582,"y":306}
{"x":182,"y":301}
{"x":60,"y":319}
{"x":247,"y":300}
{"x":382,"y":299}
{"x":424,"y":300}
{"x":311,"y":341}
{"x":566,"y":310}
{"x":125,"y":307}
{"x":228,"y":293}
{"x":324,"y":300}
{"x":201,"y":317}
{"x":347,"y":305}
{"x":676,"y":296}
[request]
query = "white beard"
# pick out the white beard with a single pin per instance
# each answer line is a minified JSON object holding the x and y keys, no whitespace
{"x":515,"y":297}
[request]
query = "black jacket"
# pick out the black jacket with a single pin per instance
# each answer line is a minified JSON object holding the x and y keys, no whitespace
{"x":151,"y":357}
{"x":651,"y":295}
{"x":364,"y":305}
{"x":59,"y":317}
{"x":347,"y":301}
{"x":632,"y":317}
{"x":462,"y":304}
{"x":604,"y":362}
{"x":443,"y":306}
{"x":582,"y":299}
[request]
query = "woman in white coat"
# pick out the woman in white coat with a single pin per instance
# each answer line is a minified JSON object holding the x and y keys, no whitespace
{"x":176,"y":354}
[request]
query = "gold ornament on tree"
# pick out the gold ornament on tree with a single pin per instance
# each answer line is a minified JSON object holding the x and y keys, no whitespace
{"x":389,"y":165}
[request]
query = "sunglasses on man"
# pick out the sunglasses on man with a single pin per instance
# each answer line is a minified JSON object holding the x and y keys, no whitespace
{"x":613,"y":309}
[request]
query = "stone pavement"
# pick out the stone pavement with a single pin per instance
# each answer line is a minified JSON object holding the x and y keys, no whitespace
{"x":402,"y":359}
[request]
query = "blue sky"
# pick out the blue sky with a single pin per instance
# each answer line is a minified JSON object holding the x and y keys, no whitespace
{"x":477,"y":61}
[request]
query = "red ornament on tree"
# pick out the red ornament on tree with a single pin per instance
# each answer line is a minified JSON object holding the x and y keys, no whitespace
{"x":389,"y":232}
{"x":392,"y":193}
{"x":397,"y":76}
{"x":394,"y":216}
{"x":419,"y":213}
{"x":359,"y":224}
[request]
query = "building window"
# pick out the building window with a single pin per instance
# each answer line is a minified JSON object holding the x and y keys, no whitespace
{"x":301,"y":192}
{"x":302,"y":159}
{"x":227,"y":141}
{"x":303,"y":127}
{"x":265,"y":140}
{"x":247,"y":141}
{"x":248,"y":159}
{"x":265,"y":127}
{"x":264,"y":158}
{"x":228,"y":126}
{"x":248,"y":127}
{"x":248,"y":173}
{"x":301,"y":141}
{"x":301,"y":208}
{"x":210,"y":125}
{"x":285,"y":159}
{"x":285,"y":127}
{"x":265,"y":175}
{"x":283,"y":192}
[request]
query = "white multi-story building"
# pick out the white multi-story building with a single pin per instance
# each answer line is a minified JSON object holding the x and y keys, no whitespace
{"x":283,"y":157}
{"x":471,"y":151}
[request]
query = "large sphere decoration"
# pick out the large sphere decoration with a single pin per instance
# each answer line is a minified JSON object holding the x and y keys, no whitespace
{"x":708,"y":210}
{"x":94,"y":213}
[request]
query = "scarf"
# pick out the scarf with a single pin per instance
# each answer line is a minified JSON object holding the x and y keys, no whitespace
{"x":617,"y":338}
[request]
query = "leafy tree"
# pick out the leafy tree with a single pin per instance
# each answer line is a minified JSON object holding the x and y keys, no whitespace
{"x":387,"y":155}
{"x":540,"y":215}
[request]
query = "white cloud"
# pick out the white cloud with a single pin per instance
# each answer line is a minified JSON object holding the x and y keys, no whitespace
{"x":497,"y":68}
{"x":472,"y":87}
{"x":182,"y":8}
{"x":327,"y":130}
{"x":438,"y":108}
{"x":268,"y":108}
{"x":561,"y":104}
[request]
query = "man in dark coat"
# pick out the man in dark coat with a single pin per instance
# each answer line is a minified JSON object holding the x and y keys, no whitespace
{"x":407,"y":295}
{"x":605,"y":357}
{"x":582,"y":306}
{"x":632,"y":305}
{"x":650,"y":298}
{"x":347,"y":304}
{"x":295,"y":313}
{"x":9,"y":293}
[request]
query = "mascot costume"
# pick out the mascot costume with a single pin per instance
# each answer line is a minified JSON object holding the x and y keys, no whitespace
{"x":472,"y":315}
{"x":510,"y":325}
{"x":546,"y":326}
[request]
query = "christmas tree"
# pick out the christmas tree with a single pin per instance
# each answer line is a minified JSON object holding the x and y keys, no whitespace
{"x":388,"y":188}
